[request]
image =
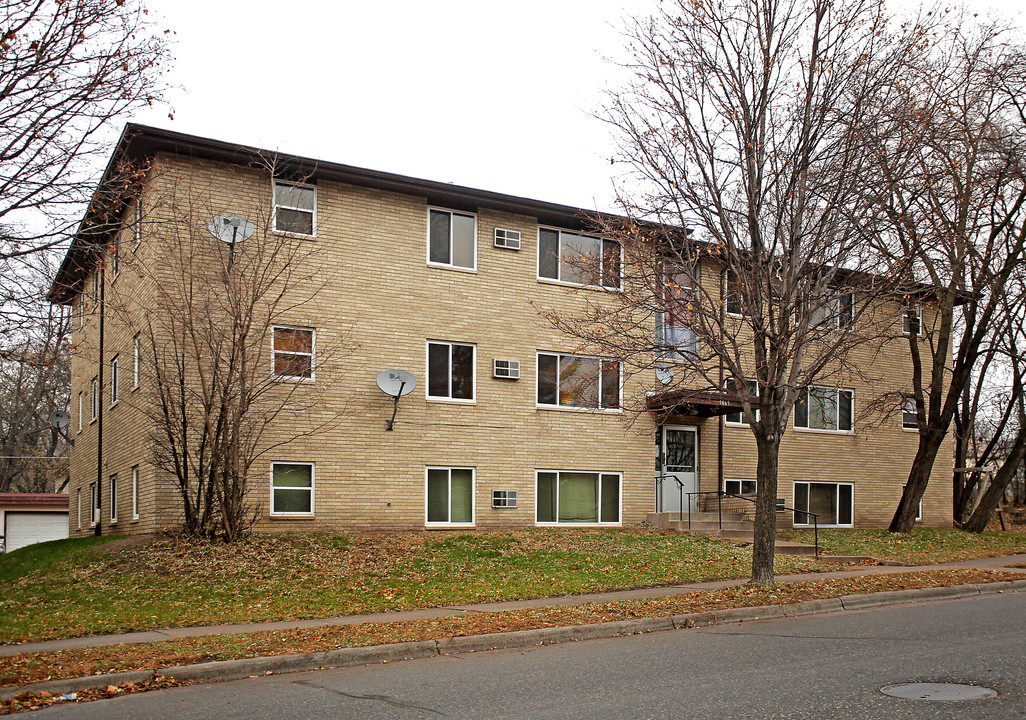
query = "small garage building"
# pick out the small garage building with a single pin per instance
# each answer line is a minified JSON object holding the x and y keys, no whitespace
{"x":28,"y":518}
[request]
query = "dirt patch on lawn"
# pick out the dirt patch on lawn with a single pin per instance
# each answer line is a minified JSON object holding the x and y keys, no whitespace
{"x":129,"y":543}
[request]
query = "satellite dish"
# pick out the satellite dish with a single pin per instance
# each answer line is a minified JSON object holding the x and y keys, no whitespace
{"x":231,"y":228}
{"x":396,"y":382}
{"x":59,"y":419}
{"x":664,"y":375}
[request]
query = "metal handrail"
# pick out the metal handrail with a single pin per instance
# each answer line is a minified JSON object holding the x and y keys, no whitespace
{"x":719,"y":510}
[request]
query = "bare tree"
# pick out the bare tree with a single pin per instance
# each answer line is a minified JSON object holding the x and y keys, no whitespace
{"x":68,"y":70}
{"x":34,"y":379}
{"x":990,"y":422}
{"x":227,"y":355}
{"x":949,"y":178}
{"x":744,"y":130}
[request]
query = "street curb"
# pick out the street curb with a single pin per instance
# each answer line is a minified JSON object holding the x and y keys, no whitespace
{"x":344,"y":657}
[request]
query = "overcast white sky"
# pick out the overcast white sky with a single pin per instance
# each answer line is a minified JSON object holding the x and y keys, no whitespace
{"x":490,"y":95}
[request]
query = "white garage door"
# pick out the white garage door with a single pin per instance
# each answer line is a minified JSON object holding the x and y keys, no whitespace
{"x":26,"y":528}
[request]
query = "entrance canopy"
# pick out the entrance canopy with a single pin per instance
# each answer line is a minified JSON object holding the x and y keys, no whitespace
{"x":697,"y":403}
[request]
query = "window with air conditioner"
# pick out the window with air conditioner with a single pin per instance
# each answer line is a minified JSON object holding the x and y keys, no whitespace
{"x":508,"y":239}
{"x":508,"y":369}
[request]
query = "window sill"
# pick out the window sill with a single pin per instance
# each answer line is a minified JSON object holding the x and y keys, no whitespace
{"x":457,"y":268}
{"x":567,"y":524}
{"x":450,"y":401}
{"x":298,"y":236}
{"x":579,"y":286}
{"x":294,"y":516}
{"x":820,"y":431}
{"x":449,"y":526}
{"x":292,"y":379}
{"x":575,"y":409}
{"x":910,"y":430}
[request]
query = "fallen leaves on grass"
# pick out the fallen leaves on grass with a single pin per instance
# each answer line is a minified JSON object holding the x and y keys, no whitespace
{"x":36,"y":667}
{"x":173,"y":581}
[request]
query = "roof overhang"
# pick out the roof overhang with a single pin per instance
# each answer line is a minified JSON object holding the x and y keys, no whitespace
{"x":139,"y":144}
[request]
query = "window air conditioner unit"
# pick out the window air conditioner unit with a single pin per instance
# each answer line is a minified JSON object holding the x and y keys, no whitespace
{"x":509,"y":239}
{"x":504,"y":498}
{"x":507,"y":369}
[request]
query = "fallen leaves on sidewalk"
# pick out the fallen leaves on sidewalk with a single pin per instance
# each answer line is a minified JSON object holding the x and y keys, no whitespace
{"x":37,"y":667}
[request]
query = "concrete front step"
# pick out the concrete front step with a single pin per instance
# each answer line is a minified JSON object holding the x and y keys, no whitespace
{"x":708,"y":523}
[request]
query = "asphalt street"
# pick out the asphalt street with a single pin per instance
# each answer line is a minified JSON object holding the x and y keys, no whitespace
{"x":823,"y":666}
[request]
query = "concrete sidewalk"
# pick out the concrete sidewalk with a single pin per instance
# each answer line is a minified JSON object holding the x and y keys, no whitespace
{"x":997,"y":563}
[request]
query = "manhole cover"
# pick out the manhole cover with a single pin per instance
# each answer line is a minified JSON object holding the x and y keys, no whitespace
{"x":937,"y":691}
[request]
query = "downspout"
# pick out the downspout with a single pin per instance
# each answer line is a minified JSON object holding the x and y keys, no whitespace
{"x":719,"y":424}
{"x":98,"y":529}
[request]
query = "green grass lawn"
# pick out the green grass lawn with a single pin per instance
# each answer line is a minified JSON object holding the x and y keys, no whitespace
{"x":78,"y":589}
{"x":70,"y":588}
{"x":922,"y":547}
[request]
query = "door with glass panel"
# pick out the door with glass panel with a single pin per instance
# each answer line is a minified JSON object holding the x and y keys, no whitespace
{"x":679,"y":463}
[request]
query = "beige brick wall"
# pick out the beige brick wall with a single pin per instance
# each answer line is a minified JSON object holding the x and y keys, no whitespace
{"x":375,"y":302}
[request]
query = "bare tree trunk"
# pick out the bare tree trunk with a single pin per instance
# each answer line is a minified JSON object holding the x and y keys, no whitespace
{"x":765,"y":511}
{"x":992,"y":497}
{"x":918,"y":478}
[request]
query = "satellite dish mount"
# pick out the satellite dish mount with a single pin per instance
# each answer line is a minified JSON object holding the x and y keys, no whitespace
{"x":395,"y":383}
{"x":230,"y":229}
{"x":59,"y":420}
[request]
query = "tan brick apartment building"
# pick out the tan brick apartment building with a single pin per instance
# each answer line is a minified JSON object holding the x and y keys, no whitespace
{"x":444,"y":282}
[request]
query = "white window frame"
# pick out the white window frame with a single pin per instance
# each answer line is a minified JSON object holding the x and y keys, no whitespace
{"x":96,"y":287}
{"x":598,"y":500}
{"x":312,"y":354}
{"x":275,"y":206}
{"x":135,"y":492}
{"x":754,"y":393}
{"x":473,"y":371}
{"x":907,"y":411}
{"x":832,"y":308}
{"x":78,"y":494}
{"x":684,"y":293}
{"x":919,"y":509}
{"x":81,"y":309}
{"x":450,"y":265}
{"x":837,"y":400}
{"x":94,"y":400}
{"x":906,"y":316}
{"x":115,"y":381}
{"x":473,"y":496}
{"x":560,"y":263}
{"x":821,"y":522}
{"x":81,"y":409}
{"x":94,"y":509}
{"x":557,"y":405}
{"x":313,"y":488}
{"x":741,"y":482}
{"x":727,"y":274}
{"x":135,"y":361}
{"x":115,"y":256}
{"x":137,"y":224}
{"x":112,"y":493}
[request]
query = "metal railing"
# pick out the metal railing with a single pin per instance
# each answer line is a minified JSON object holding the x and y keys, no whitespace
{"x":720,"y":494}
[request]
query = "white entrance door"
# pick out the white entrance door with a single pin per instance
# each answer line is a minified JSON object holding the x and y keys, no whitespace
{"x":680,"y":463}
